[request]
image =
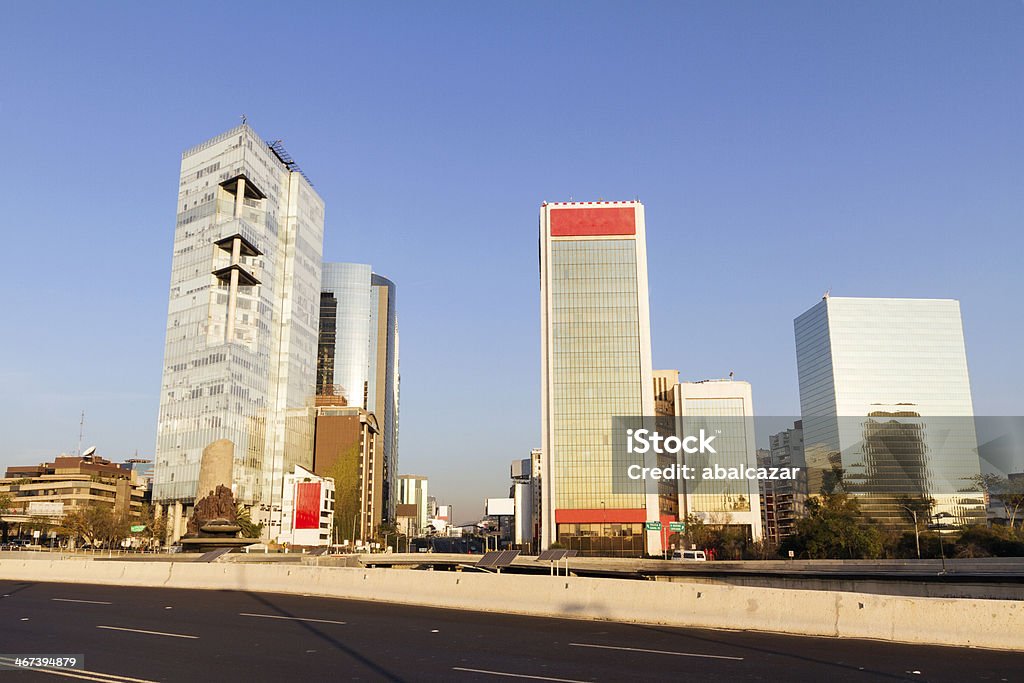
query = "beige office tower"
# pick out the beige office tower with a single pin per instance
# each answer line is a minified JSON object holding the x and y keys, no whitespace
{"x":595,"y":366}
{"x":240,"y":355}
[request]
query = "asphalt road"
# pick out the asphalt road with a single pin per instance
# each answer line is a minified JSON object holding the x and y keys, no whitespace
{"x":137,"y":635}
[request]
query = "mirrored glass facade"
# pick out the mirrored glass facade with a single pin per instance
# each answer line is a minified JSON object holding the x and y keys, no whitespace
{"x":886,"y":402}
{"x":358,"y":357}
{"x":596,"y":369}
{"x":242,"y":324}
{"x":384,"y":389}
{"x":343,"y":363}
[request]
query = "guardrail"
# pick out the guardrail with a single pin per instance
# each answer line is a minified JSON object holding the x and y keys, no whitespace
{"x":940,"y":621}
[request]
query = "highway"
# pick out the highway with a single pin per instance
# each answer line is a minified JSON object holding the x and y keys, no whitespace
{"x":138,"y":635}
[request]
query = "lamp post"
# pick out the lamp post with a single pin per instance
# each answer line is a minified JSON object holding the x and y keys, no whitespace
{"x":938,"y":529}
{"x":917,"y":532}
{"x":604,"y":522}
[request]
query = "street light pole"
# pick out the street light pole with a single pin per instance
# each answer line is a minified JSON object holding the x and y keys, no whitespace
{"x":917,"y":532}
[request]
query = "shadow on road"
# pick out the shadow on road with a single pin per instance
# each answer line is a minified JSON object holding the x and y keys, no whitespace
{"x":18,"y":587}
{"x":809,"y":640}
{"x":330,"y":640}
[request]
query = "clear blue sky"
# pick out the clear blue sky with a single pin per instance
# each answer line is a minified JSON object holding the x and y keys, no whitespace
{"x":875,"y":148}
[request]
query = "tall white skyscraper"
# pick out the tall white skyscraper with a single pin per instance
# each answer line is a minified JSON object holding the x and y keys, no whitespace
{"x":885,"y":397}
{"x":595,"y":366}
{"x":242,"y":323}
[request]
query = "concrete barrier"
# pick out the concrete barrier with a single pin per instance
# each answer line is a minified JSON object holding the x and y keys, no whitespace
{"x":993,"y":624}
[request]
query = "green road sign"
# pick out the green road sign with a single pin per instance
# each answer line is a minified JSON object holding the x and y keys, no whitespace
{"x":652,"y":526}
{"x":136,"y":528}
{"x":676,"y":526}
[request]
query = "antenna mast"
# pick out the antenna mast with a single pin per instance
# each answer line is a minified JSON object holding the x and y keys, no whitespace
{"x":81,"y":429}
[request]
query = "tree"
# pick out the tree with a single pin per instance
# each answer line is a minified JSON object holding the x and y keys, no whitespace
{"x":697,"y":532}
{"x":345,"y":472}
{"x":6,"y":501}
{"x":1008,"y":492}
{"x":97,"y":524}
{"x":243,"y":517}
{"x":156,"y":527}
{"x":996,"y":541}
{"x":834,"y":529}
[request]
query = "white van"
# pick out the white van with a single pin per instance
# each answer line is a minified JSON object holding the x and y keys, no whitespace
{"x":690,"y":555}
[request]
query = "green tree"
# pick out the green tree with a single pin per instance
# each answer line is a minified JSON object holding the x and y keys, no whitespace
{"x":984,"y":541}
{"x":6,"y":503}
{"x":96,"y":524}
{"x":1010,"y":494}
{"x":243,"y":517}
{"x":834,"y":529}
{"x":156,"y":527}
{"x":345,"y":472}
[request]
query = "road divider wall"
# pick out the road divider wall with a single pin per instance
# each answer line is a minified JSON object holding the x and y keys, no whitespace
{"x":993,"y":624}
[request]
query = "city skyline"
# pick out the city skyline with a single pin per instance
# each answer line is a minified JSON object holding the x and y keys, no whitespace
{"x":751,"y":220}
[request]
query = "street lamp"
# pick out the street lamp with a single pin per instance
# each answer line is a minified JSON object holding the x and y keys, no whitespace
{"x":917,"y":532}
{"x":938,"y":529}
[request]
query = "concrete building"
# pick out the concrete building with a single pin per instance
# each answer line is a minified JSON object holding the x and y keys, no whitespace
{"x":358,"y":359}
{"x":47,"y":491}
{"x":412,"y":490}
{"x":783,"y":501}
{"x":242,"y":323}
{"x":536,"y":473}
{"x":345,"y":450}
{"x":308,"y":509}
{"x":595,"y":365}
{"x":885,"y":398}
{"x":523,"y":491}
{"x":725,"y":408}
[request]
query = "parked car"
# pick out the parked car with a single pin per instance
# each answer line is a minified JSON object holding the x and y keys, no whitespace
{"x":690,"y":555}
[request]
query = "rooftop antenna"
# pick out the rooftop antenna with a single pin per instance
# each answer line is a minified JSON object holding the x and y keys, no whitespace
{"x":827,"y":294}
{"x":81,"y":429}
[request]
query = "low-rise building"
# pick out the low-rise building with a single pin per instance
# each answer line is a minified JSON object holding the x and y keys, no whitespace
{"x":49,"y":490}
{"x":307,"y":508}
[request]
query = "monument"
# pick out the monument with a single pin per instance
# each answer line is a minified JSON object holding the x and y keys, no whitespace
{"x":214,"y":521}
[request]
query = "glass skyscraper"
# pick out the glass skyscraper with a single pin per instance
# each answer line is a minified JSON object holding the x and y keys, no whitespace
{"x":885,"y":397}
{"x":242,"y":323}
{"x":358,"y":356}
{"x":595,"y":365}
{"x":343,"y":363}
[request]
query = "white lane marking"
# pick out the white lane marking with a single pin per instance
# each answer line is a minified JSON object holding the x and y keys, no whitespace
{"x":77,"y":673}
{"x":88,"y":602}
{"x":152,"y":633}
{"x":511,"y":675}
{"x":278,"y":616}
{"x":656,"y":652}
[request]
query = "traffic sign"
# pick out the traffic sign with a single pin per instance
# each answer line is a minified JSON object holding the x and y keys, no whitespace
{"x":136,"y":528}
{"x":652,"y":526}
{"x":676,"y":526}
